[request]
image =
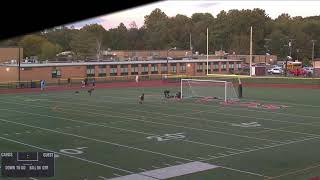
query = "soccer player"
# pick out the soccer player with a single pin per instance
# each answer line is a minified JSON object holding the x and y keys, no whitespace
{"x":93,"y":83}
{"x":178,"y":95}
{"x":166,"y":93}
{"x":90,"y":91}
{"x":141,"y":98}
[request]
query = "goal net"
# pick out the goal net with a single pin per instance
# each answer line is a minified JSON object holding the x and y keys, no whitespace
{"x":201,"y":88}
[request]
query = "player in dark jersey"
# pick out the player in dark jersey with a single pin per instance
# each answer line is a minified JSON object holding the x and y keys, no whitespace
{"x":90,"y":91}
{"x":141,"y":98}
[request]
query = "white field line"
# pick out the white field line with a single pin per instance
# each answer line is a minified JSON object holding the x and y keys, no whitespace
{"x":121,"y":129}
{"x":246,"y":172}
{"x":70,"y":156}
{"x":266,"y":119}
{"x":98,"y":140}
{"x":197,"y":105}
{"x":263,"y":148}
{"x":166,"y":124}
{"x":267,"y":129}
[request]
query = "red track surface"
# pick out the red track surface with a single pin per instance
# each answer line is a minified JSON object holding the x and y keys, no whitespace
{"x":155,"y":83}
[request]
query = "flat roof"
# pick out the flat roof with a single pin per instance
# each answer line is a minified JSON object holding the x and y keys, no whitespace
{"x":117,"y":62}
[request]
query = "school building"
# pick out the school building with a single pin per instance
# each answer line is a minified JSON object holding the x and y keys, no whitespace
{"x":51,"y":72}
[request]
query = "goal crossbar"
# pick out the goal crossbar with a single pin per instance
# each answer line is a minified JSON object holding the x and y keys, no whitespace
{"x":205,"y":88}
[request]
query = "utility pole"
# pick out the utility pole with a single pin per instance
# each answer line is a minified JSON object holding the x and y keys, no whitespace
{"x":19,"y":64}
{"x":266,"y":45}
{"x":250,"y":51}
{"x":312,"y":56}
{"x":191,"y":45}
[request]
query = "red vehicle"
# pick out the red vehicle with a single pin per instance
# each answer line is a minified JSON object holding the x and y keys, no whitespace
{"x":298,"y":72}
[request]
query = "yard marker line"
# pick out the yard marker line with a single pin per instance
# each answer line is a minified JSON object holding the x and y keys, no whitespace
{"x":222,"y":154}
{"x":67,"y":155}
{"x":294,"y":172}
{"x":211,"y":145}
{"x":97,"y":140}
{"x":231,"y":152}
{"x":103,"y":177}
{"x":219,"y":132}
{"x":295,"y":115}
{"x":185,"y":127}
{"x":223,"y":122}
{"x":244,"y":171}
{"x":201,"y":158}
{"x":142,"y":169}
{"x":238,"y":115}
{"x":197,"y":118}
{"x":116,"y":174}
{"x":253,"y":150}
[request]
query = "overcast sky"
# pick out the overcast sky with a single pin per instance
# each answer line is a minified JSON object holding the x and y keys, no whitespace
{"x":173,"y":7}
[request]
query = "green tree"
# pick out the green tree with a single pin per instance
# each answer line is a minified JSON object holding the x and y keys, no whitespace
{"x":49,"y":50}
{"x":32,"y":44}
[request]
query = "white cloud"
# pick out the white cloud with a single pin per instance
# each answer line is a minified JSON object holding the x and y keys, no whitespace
{"x":172,"y":8}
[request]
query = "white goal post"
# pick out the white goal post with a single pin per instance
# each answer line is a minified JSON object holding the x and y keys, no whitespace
{"x":200,"y":88}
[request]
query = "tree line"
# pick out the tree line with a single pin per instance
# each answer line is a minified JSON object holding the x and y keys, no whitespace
{"x":228,"y":31}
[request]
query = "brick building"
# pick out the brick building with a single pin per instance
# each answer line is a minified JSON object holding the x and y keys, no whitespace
{"x":10,"y":53}
{"x":51,"y":72}
{"x":316,"y":65}
{"x":146,"y":54}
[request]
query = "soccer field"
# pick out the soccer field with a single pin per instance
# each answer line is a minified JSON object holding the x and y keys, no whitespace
{"x":274,"y":133}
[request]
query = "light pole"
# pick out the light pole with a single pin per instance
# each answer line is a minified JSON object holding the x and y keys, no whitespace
{"x":19,"y":64}
{"x":312,"y":56}
{"x":266,"y":45}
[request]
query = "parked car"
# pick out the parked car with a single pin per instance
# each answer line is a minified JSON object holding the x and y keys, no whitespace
{"x":275,"y":71}
{"x":308,"y":69}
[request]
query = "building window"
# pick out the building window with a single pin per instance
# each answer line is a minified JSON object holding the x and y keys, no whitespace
{"x":199,"y":67}
{"x":209,"y":70}
{"x":183,"y":67}
{"x":215,"y":66}
{"x":102,"y":71}
{"x":231,"y":66}
{"x":173,"y":68}
{"x":90,"y":71}
{"x":154,"y":69}
{"x":134,"y":69}
{"x":113,"y":70}
{"x":164,"y":68}
{"x":145,"y":69}
{"x":124,"y":70}
{"x":239,"y":65}
{"x":56,"y":73}
{"x":224,"y":66}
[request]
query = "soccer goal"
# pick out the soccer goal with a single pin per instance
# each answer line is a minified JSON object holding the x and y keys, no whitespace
{"x":201,"y":88}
